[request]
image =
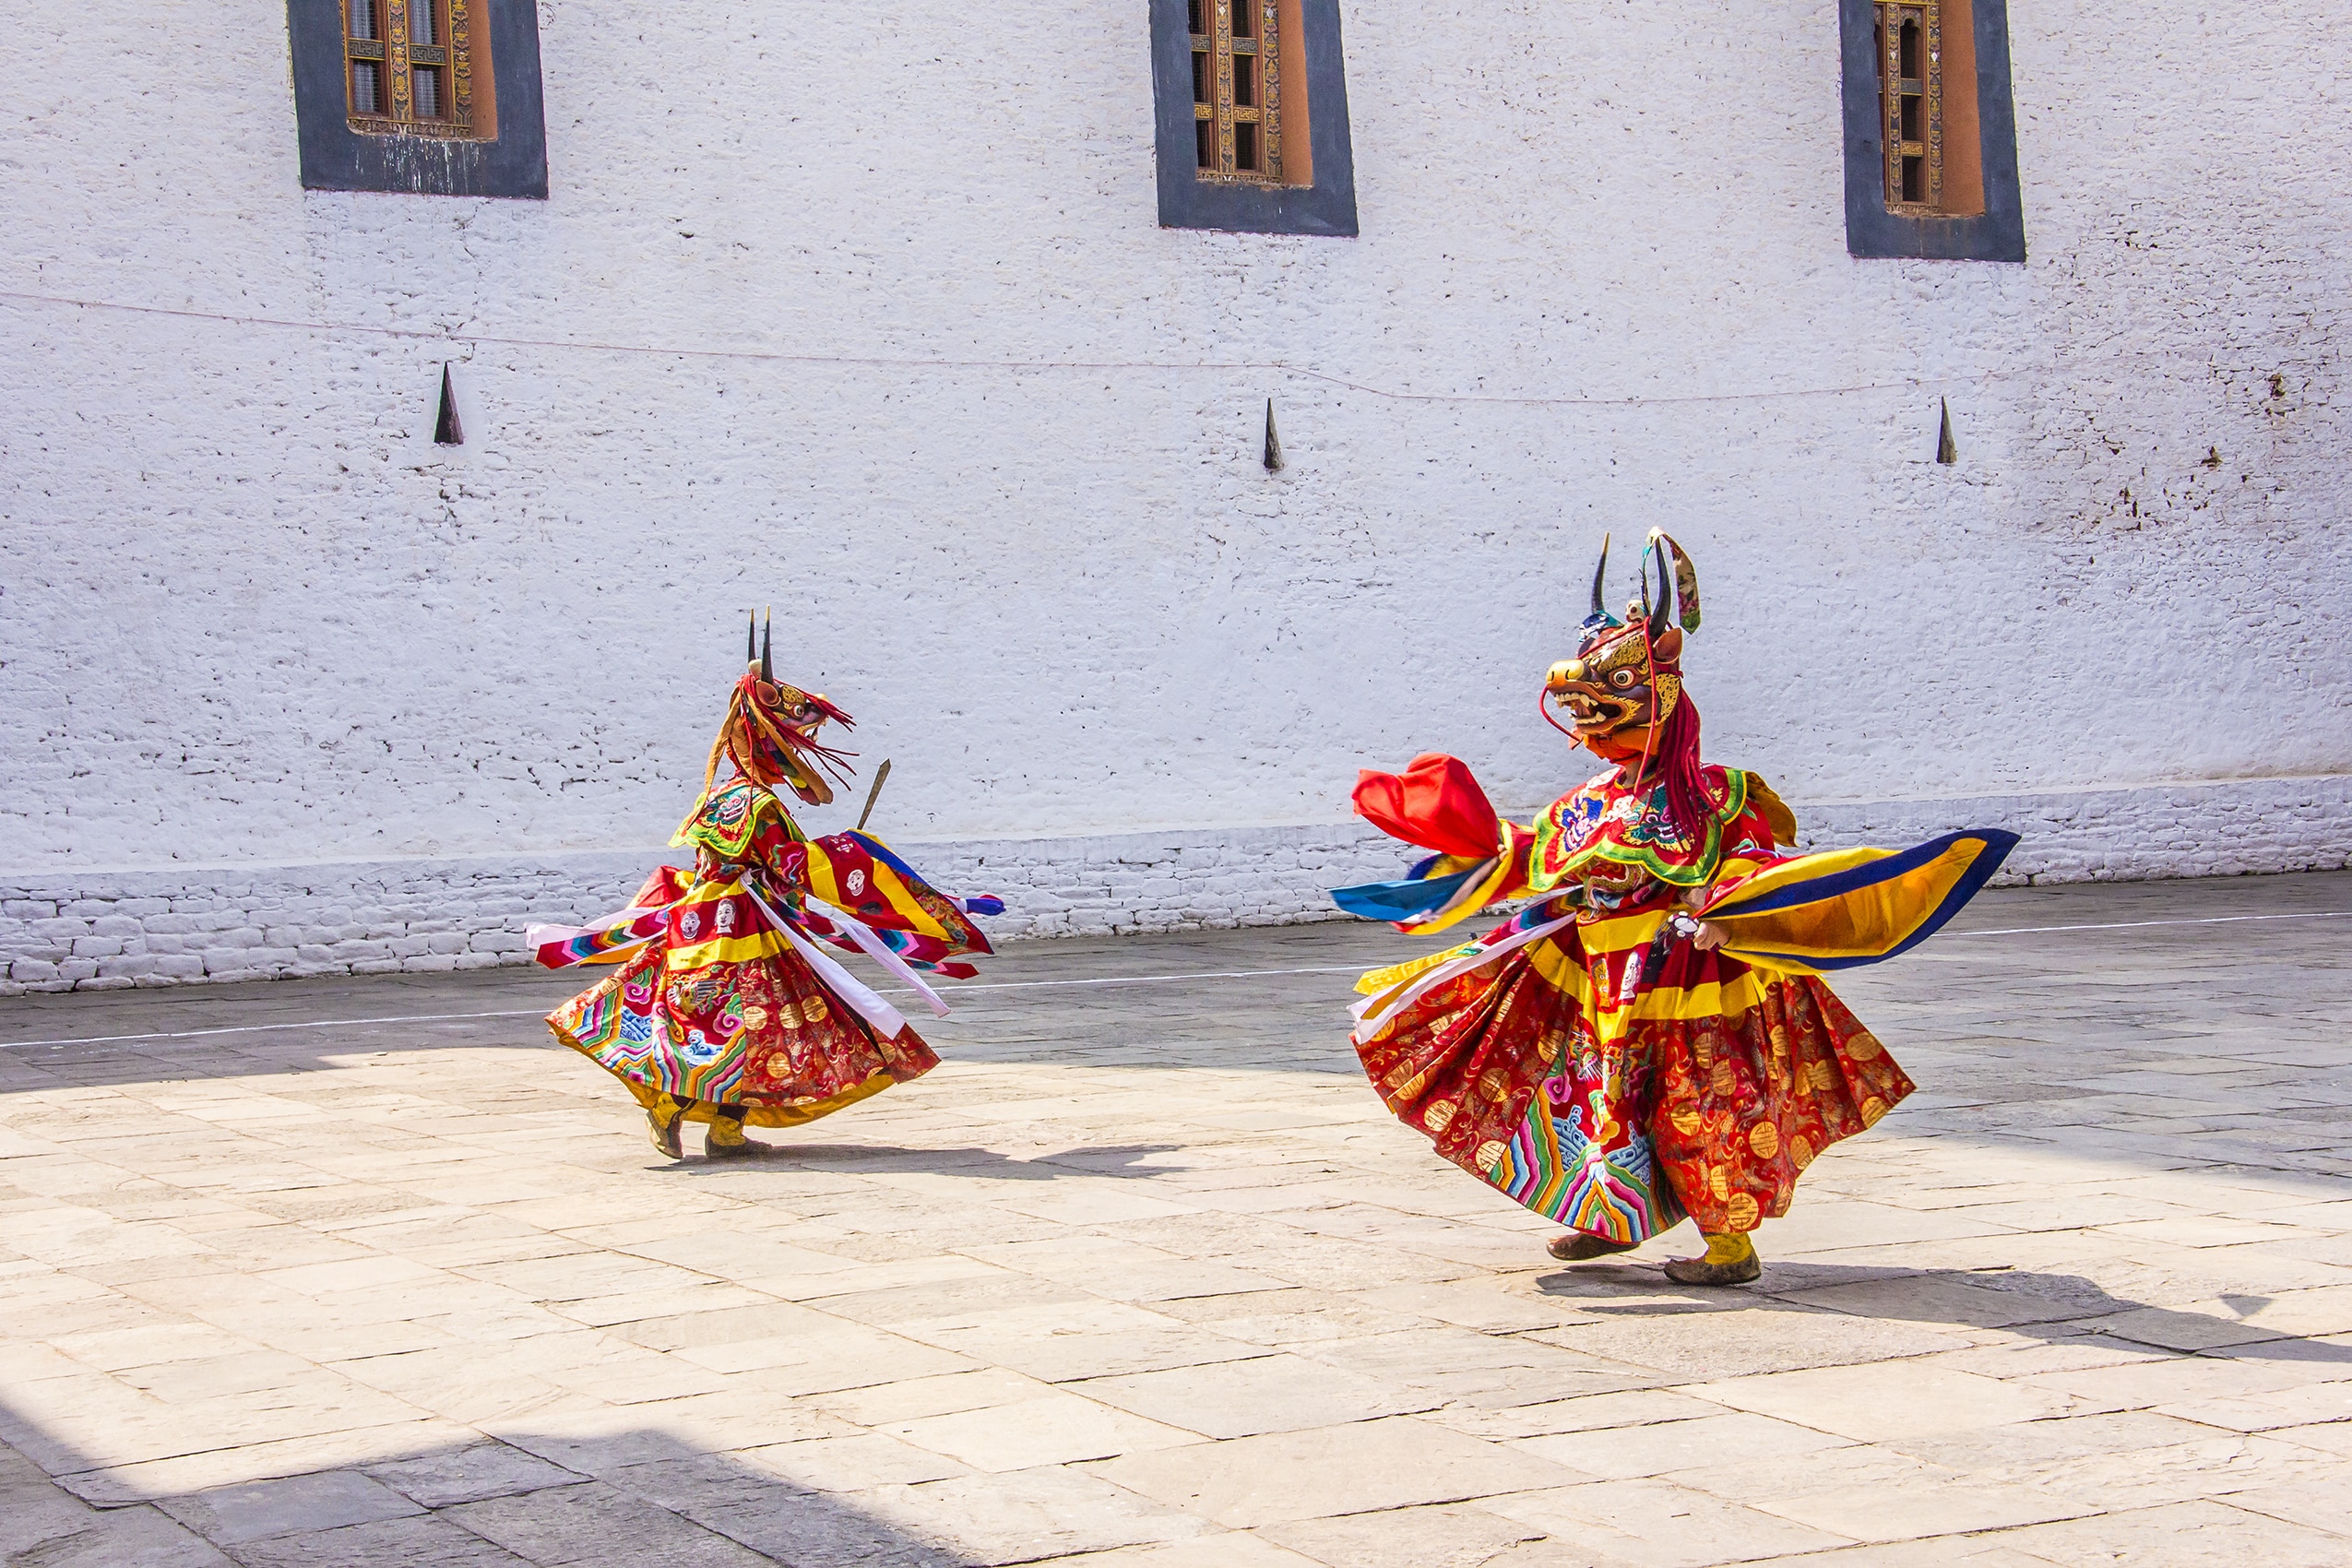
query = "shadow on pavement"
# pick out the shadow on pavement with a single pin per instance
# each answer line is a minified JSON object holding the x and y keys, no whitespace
{"x":626,"y":1495}
{"x":2041,"y":1305}
{"x":1100,"y":1159}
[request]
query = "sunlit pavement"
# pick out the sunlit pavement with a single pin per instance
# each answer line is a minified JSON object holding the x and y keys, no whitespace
{"x":371,"y":1272}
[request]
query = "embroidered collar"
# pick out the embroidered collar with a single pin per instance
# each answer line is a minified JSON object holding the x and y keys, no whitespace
{"x":1603,"y":824}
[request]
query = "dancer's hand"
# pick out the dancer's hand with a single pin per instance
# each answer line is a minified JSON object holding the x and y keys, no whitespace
{"x":1709,"y":936}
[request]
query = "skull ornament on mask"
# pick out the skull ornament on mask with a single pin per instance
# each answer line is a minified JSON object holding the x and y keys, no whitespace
{"x":1627,"y":675}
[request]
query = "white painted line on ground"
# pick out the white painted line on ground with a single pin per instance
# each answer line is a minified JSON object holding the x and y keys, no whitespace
{"x":540,"y":1012}
{"x":1108,"y":980}
{"x":1155,"y":980}
{"x":266,"y":1029}
{"x":2130,"y":925}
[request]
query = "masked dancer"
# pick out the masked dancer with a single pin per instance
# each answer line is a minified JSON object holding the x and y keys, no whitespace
{"x":1650,"y":1036}
{"x":726,"y":1009}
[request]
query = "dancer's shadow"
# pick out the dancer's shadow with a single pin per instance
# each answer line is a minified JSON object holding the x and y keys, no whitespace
{"x":2043,"y":1305}
{"x":1126,"y":1161}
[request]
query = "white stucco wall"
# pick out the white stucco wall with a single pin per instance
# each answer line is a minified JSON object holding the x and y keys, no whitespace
{"x":943,"y":393}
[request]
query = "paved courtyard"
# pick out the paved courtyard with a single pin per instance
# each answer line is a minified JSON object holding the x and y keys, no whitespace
{"x":369,"y":1271}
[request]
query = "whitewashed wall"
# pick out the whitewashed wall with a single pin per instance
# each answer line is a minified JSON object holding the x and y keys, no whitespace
{"x":932,"y":382}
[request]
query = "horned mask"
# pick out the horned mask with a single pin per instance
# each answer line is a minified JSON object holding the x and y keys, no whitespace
{"x":769,"y":732}
{"x":1627,"y":675}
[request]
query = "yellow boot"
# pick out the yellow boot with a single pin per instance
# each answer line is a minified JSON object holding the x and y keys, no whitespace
{"x":1731,"y":1260}
{"x":664,"y":1117}
{"x":724,"y":1139}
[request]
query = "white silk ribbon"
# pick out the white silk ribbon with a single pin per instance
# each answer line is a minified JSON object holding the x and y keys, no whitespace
{"x":868,"y":1003}
{"x":881,"y":952}
{"x":1429,"y":979}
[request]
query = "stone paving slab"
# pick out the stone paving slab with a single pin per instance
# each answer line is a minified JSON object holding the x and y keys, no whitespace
{"x":362,"y":1272}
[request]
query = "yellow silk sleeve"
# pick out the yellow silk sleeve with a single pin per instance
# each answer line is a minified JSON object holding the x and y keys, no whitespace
{"x":827,"y":878}
{"x":1834,"y":910}
{"x":1506,"y":877}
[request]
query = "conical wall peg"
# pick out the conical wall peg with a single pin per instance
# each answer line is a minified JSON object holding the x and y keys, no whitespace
{"x":1946,"y":452}
{"x":1273,"y":442}
{"x":446,"y":431}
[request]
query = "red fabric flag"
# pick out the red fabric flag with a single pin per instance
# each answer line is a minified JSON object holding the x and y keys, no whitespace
{"x":664,"y":887}
{"x":1435,"y":803}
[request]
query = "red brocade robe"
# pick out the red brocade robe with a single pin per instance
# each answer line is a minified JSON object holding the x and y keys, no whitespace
{"x":725,"y":995}
{"x":1600,"y":1071}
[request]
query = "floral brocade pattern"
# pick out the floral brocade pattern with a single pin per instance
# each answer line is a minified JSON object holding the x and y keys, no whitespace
{"x":800,"y":1046}
{"x":1604,"y":830}
{"x":1742,"y":1104}
{"x":762,"y":1033}
{"x":1474,"y":1056}
{"x":1731,"y":1107}
{"x":1608,"y":1074}
{"x":724,"y":1010}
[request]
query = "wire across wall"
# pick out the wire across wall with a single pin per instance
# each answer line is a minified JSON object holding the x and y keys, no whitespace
{"x":1219,"y":367}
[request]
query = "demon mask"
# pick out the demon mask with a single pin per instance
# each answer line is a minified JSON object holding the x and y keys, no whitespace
{"x":769,"y":732}
{"x":1627,"y":675}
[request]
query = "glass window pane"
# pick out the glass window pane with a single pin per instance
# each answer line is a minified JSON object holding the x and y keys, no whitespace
{"x":428,"y":93}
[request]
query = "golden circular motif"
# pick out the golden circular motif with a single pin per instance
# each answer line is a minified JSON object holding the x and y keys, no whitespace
{"x":754,"y":1018}
{"x":788,"y":1016}
{"x":1872,"y":1108}
{"x":1438,"y":1116}
{"x":1489,"y":1153}
{"x":815,"y":1010}
{"x":1740,"y":1210}
{"x":1823,"y":1074}
{"x":1493,"y":1085}
{"x":1800,"y":1151}
{"x":1685,"y":1123}
{"x":1723,"y":1080}
{"x":1864,"y":1047}
{"x":1719,"y":1183}
{"x":1765,"y":1138}
{"x":1702,"y":1051}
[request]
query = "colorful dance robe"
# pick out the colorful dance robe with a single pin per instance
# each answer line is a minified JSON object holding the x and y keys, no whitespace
{"x":725,"y":994}
{"x":1585,"y":1060}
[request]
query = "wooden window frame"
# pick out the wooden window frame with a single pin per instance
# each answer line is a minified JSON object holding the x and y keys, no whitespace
{"x":1966,"y":204}
{"x":456,"y":53}
{"x":1237,"y":88}
{"x":1303,"y":181}
{"x":1913,"y":141}
{"x":490,"y":137}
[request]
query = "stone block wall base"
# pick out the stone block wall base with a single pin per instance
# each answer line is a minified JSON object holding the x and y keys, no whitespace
{"x":63,"y":930}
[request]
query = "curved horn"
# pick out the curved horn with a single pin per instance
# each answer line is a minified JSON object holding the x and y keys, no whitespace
{"x":751,"y":639}
{"x":1662,"y":609}
{"x":1598,"y":573}
{"x":767,"y":647}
